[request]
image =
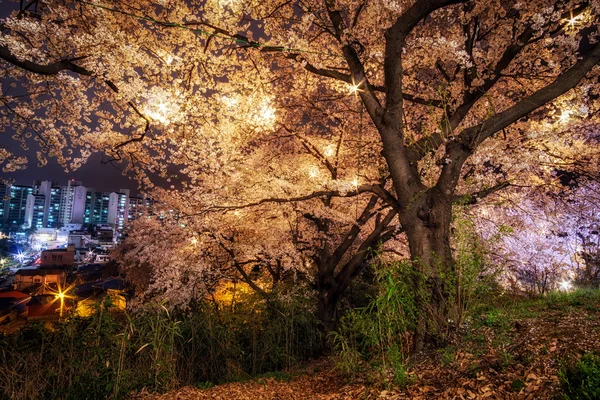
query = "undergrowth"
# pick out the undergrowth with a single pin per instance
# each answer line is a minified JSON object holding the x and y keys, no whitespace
{"x":581,"y":381}
{"x":111,"y":354}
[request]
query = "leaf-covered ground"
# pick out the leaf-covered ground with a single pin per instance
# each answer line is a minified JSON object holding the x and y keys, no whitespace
{"x":513,"y":352}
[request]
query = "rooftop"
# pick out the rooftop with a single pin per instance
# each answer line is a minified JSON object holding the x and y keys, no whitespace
{"x":41,"y":272}
{"x":13,"y":294}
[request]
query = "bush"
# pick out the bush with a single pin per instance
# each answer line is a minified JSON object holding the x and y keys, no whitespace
{"x":582,"y":380}
{"x":111,"y":354}
{"x":377,"y":333}
{"x":232,"y":342}
{"x":103,"y":356}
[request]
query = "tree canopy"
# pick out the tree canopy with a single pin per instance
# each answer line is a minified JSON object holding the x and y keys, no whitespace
{"x":299,"y":136}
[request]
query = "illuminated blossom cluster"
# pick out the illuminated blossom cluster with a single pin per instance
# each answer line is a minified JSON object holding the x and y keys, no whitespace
{"x":290,"y":139}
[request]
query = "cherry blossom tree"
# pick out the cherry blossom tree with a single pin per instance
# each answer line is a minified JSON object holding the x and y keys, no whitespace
{"x":344,"y":124}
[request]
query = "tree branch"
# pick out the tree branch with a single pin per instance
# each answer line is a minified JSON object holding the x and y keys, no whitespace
{"x":349,"y":239}
{"x":353,"y":266}
{"x":347,"y":78}
{"x":463,"y":145}
{"x":471,"y":95}
{"x":67,"y":65}
{"x":375,"y":189}
{"x":473,"y":198}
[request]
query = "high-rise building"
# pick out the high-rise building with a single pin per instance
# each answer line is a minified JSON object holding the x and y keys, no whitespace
{"x":67,"y":202}
{"x":138,"y":207}
{"x":4,"y":195}
{"x":51,"y":206}
{"x":118,"y":208}
{"x":35,"y":211}
{"x":78,"y":207}
{"x":53,"y":195}
{"x":14,"y":204}
{"x":96,"y":207}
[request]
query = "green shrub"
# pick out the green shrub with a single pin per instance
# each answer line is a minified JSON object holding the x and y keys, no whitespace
{"x":111,"y":354}
{"x":377,"y":333}
{"x":582,"y":380}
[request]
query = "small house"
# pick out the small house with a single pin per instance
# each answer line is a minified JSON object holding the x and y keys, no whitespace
{"x":58,"y":257}
{"x":44,"y":277}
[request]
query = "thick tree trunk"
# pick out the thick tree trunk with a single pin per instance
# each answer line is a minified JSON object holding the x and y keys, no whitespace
{"x":427,"y":225}
{"x":327,"y":309}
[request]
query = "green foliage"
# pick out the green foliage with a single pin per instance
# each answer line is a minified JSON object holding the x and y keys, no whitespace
{"x":491,"y":316}
{"x":380,"y":333}
{"x":377,"y":333}
{"x":278,"y":376}
{"x":588,"y":298}
{"x":471,"y":281}
{"x":446,"y":300}
{"x":110,"y":354}
{"x":205,"y":385}
{"x":447,"y":354}
{"x":246,"y":338}
{"x":582,"y":380}
{"x":346,"y":341}
{"x":91,"y":358}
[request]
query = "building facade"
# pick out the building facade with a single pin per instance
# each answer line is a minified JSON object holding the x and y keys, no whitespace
{"x":14,"y":205}
{"x":35,"y":211}
{"x":47,"y":205}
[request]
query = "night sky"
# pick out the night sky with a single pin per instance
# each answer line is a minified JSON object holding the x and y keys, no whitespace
{"x":93,"y":174}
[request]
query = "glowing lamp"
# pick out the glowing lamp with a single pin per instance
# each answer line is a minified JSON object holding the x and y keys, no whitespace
{"x":353,"y":88}
{"x":565,"y":286}
{"x":565,"y":116}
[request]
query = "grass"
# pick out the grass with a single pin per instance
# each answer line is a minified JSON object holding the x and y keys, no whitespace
{"x":495,"y":326}
{"x":447,"y":354}
{"x":581,"y":381}
{"x":586,"y":298}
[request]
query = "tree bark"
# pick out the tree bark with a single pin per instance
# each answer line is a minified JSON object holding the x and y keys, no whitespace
{"x":427,"y":224}
{"x":327,"y":309}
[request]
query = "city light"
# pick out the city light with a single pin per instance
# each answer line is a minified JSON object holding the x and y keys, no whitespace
{"x":20,"y":257}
